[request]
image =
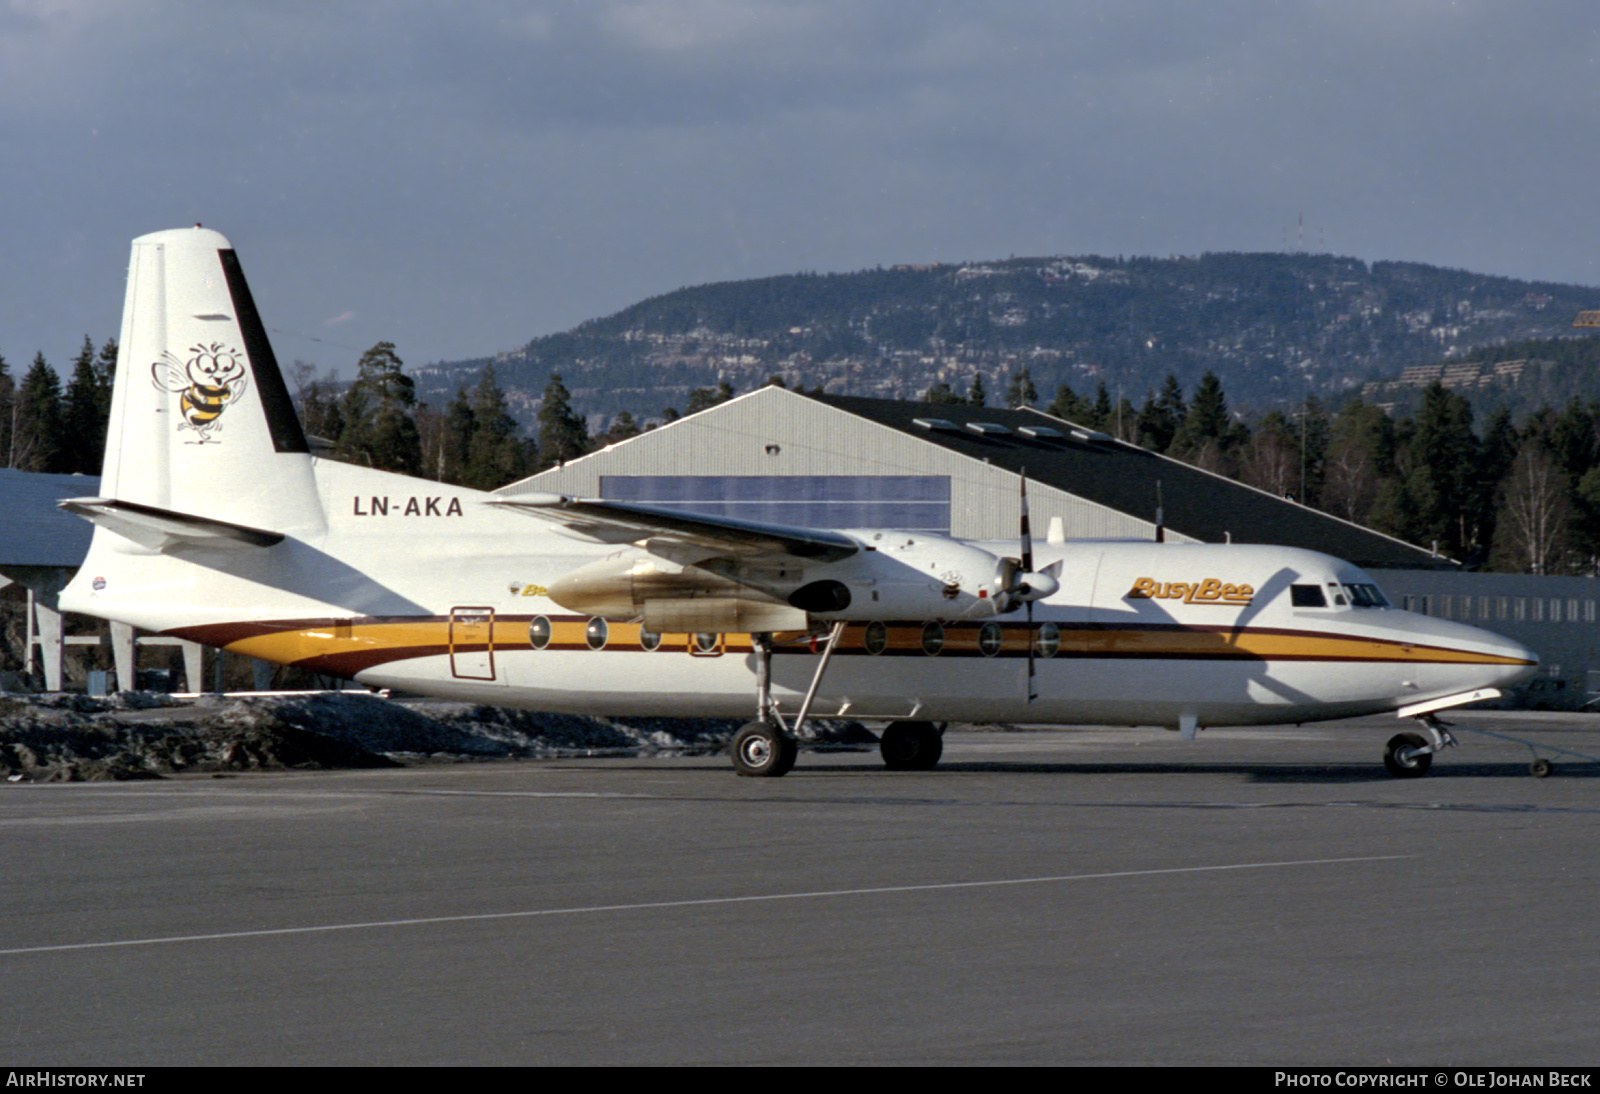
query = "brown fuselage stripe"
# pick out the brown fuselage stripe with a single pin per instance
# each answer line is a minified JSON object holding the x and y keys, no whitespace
{"x":344,"y":647}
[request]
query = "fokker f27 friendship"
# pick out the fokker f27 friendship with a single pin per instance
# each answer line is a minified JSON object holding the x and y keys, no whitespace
{"x":216,"y":523}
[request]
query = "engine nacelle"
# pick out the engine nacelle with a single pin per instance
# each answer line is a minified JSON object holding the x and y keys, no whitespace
{"x":671,"y":597}
{"x":915,"y":575}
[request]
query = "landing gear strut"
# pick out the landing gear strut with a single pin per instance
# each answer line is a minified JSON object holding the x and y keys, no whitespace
{"x":766,"y":748}
{"x":1409,"y":755}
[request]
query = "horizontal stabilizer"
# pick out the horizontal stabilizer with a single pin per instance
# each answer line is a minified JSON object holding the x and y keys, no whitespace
{"x":159,"y":529}
{"x":623,"y":522}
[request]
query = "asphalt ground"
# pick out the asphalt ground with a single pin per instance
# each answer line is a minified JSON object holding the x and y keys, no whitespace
{"x":1262,"y":897}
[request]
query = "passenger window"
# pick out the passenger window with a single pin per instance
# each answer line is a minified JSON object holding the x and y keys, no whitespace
{"x":539,"y":632}
{"x":932,"y":639}
{"x":876,"y":638}
{"x":990,"y":639}
{"x":1307,"y":596}
{"x":1048,"y":640}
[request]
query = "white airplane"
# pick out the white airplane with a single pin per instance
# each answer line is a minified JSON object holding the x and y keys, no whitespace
{"x":217,"y":524}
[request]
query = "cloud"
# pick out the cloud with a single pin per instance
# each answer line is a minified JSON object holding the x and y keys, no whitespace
{"x":470,"y":176}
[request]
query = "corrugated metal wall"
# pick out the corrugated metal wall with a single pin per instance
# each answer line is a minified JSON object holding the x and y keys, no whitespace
{"x":773,"y":431}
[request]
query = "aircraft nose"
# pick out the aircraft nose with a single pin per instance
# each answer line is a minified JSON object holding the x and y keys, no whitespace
{"x":1523,"y":653}
{"x":1512,"y":661}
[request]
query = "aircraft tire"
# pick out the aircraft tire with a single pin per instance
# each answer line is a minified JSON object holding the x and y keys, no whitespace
{"x":762,"y":750}
{"x":911,"y":746}
{"x":1402,"y":766}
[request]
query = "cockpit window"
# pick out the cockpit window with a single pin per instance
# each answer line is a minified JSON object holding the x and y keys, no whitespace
{"x":1367,"y":596}
{"x":1307,"y":596}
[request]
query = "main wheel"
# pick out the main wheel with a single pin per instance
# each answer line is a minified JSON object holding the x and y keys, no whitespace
{"x":911,"y":746}
{"x":763,"y":750}
{"x":1404,"y":766}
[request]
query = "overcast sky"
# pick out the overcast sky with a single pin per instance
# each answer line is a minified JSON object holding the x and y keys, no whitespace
{"x":458,"y":178}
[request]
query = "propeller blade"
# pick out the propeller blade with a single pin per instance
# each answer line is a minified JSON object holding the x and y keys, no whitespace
{"x":1023,"y":589}
{"x":1027,"y":533}
{"x":1033,"y":644}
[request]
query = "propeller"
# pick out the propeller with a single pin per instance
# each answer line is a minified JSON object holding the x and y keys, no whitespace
{"x":1016,"y":581}
{"x":1021,"y":583}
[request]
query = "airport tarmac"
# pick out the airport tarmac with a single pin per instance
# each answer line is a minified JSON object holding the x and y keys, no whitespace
{"x":1264,"y":897}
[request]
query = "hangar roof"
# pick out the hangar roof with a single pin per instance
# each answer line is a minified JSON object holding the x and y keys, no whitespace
{"x":1125,"y":477}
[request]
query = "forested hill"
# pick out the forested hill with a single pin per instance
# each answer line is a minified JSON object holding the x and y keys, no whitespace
{"x":1273,"y":326}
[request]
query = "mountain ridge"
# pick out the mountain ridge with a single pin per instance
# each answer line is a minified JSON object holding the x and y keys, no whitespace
{"x":1274,"y":326}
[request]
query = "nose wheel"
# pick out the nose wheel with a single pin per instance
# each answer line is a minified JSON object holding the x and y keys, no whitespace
{"x":1409,"y":755}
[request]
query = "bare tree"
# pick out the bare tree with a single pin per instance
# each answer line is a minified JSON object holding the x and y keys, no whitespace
{"x":1533,"y":512}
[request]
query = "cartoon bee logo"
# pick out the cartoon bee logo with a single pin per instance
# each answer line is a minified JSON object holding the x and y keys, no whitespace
{"x":212,"y":381}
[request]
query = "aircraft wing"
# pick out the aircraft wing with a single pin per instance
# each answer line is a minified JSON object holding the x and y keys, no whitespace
{"x":624,"y":522}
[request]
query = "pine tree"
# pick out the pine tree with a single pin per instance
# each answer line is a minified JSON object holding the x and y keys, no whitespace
{"x":378,"y":429}
{"x":1206,"y":422}
{"x":1442,"y":464}
{"x":105,"y":367}
{"x":623,"y":427}
{"x":1161,"y":416}
{"x":1068,"y":405}
{"x":495,"y":454}
{"x":703,"y":398}
{"x":1020,"y":390}
{"x":455,"y":439}
{"x":563,"y":435}
{"x":7,"y":402}
{"x":1103,"y":416}
{"x":319,"y":406}
{"x":36,"y":441}
{"x":84,"y":416}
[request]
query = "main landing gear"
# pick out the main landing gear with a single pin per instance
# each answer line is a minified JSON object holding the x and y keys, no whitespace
{"x":767,"y":748}
{"x":911,"y":746}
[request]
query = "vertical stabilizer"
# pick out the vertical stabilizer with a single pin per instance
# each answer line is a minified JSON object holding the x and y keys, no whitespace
{"x":201,"y":421}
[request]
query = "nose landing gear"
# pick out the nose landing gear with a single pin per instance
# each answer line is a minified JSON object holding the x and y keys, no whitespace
{"x":1409,"y":755}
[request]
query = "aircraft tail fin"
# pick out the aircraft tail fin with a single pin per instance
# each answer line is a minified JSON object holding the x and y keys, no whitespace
{"x":202,"y":424}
